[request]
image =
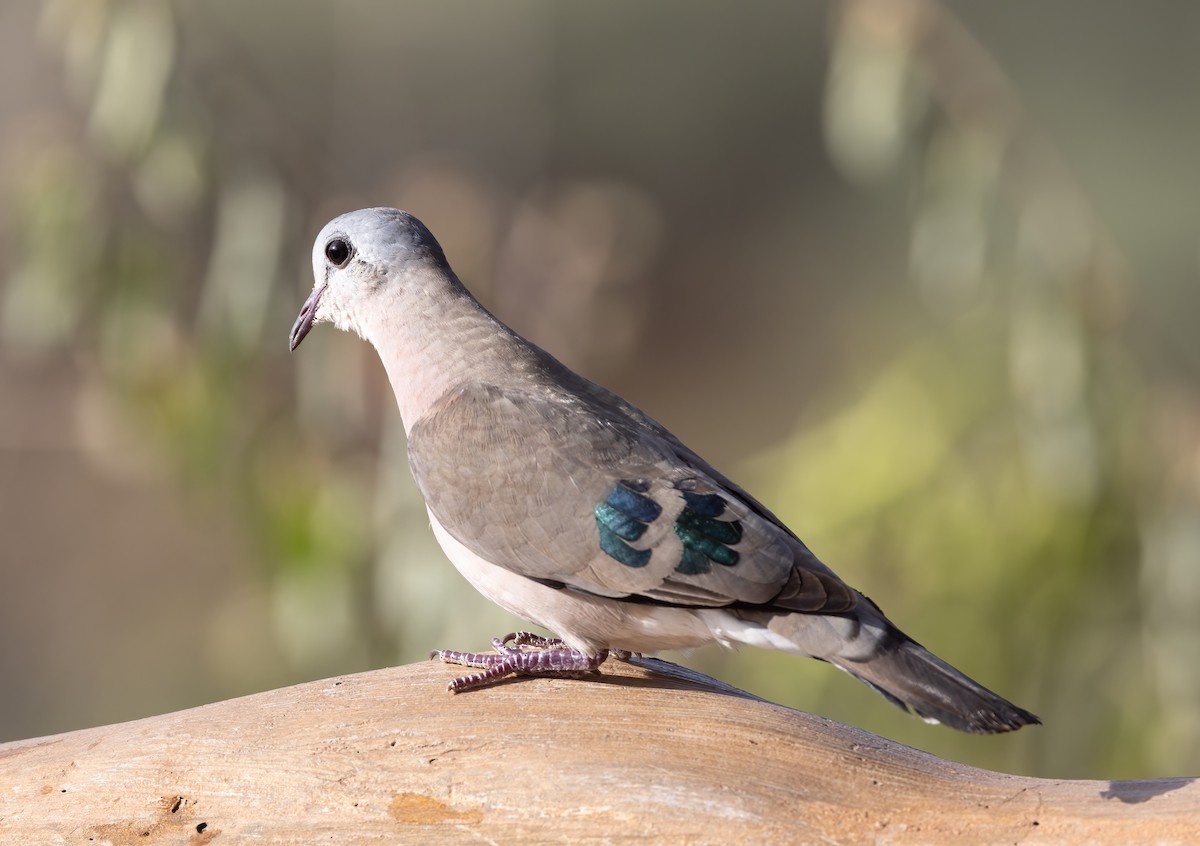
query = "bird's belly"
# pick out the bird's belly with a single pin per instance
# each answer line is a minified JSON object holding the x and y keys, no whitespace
{"x":584,"y":621}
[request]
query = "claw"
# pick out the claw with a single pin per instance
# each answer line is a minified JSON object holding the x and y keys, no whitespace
{"x":548,"y":657}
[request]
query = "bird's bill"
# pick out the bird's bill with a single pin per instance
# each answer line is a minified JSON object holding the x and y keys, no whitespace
{"x":304,"y":322}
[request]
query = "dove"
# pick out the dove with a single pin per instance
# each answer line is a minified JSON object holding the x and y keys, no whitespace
{"x":573,"y":509}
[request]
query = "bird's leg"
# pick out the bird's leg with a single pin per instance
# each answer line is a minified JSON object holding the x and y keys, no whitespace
{"x":531,"y":639}
{"x":548,"y":657}
{"x":527,"y":639}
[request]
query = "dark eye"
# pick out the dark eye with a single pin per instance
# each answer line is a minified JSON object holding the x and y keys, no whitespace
{"x":338,"y":252}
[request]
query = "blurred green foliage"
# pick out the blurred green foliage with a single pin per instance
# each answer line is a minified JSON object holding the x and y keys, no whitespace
{"x":979,"y":449}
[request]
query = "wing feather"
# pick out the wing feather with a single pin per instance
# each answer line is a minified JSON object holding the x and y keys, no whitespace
{"x":580,"y":488}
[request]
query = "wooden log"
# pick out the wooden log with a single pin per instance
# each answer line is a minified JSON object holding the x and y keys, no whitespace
{"x":650,"y":753}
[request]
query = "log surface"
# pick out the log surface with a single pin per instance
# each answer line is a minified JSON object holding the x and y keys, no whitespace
{"x":650,"y":753}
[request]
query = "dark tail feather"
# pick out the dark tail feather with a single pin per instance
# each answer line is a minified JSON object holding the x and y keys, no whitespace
{"x":913,"y":678}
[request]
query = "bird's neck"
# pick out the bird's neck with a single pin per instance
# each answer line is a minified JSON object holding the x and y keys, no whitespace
{"x":437,"y":339}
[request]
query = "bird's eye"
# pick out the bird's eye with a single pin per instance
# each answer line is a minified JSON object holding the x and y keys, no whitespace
{"x":338,"y":252}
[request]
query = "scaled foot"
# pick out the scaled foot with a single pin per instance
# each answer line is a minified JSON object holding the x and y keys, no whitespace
{"x":525,"y":654}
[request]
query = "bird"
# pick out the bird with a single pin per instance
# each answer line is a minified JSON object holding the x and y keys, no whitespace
{"x":570,"y":507}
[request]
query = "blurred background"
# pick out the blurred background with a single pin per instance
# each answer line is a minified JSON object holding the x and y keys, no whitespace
{"x":923,"y":276}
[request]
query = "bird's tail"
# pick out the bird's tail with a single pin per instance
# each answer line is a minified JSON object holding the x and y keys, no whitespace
{"x":868,"y":646}
{"x":915,"y":679}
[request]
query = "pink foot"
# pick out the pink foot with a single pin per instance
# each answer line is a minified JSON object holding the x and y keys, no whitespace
{"x":546,"y":657}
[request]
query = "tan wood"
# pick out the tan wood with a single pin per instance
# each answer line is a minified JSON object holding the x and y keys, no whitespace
{"x":635,"y":755}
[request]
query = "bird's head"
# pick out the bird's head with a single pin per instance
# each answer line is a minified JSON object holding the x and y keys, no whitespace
{"x":359,"y":257}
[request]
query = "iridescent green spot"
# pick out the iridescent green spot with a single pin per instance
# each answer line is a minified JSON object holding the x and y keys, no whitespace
{"x":722,"y":531}
{"x":705,"y":538}
{"x":704,"y":505}
{"x":628,"y":499}
{"x":623,"y":516}
{"x":620,"y":551}
{"x":723,"y":555}
{"x":621,"y":524}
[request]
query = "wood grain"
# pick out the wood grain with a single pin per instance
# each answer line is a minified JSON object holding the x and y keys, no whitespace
{"x":650,"y":753}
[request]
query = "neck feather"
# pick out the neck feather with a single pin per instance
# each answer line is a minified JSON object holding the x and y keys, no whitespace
{"x":436,"y":338}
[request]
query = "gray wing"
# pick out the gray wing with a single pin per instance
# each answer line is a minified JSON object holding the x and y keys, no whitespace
{"x":595,"y":496}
